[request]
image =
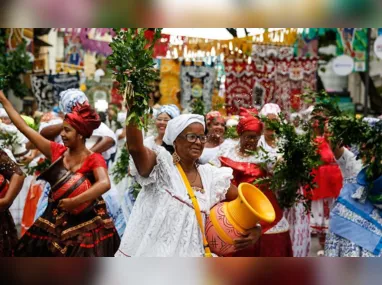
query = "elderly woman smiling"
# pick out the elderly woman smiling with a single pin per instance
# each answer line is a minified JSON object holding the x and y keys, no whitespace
{"x":163,"y":221}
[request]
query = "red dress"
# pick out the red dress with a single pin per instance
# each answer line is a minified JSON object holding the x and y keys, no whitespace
{"x":328,"y":176}
{"x":88,"y":234}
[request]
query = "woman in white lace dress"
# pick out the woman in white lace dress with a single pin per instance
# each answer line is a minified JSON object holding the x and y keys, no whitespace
{"x":163,"y":222}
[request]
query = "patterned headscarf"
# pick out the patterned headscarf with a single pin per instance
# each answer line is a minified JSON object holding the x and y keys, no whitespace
{"x":171,"y":110}
{"x":214,"y":115}
{"x":69,"y":98}
{"x":177,"y":125}
{"x":84,"y":119}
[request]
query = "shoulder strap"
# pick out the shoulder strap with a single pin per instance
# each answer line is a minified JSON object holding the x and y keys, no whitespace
{"x":196,"y":209}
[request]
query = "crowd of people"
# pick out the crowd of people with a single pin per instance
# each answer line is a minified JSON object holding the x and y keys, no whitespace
{"x":74,"y":207}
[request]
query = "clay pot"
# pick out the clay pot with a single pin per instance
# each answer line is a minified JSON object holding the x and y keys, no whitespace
{"x":66,"y":184}
{"x":231,"y":220}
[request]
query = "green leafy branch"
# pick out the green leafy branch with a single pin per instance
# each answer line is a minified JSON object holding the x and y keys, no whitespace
{"x":133,"y":67}
{"x":13,"y":63}
{"x":197,"y":106}
{"x":121,"y":168}
{"x":294,"y":171}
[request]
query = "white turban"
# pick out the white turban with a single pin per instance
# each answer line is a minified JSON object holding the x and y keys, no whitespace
{"x":3,"y":113}
{"x":178,"y":124}
{"x":69,"y":98}
{"x":270,"y":108}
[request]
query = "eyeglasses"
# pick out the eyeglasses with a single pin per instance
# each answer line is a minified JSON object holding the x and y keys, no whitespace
{"x":193,"y":138}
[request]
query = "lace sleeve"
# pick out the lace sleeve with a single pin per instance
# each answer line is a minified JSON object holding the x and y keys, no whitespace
{"x":8,"y":167}
{"x":161,"y":171}
{"x":221,"y":182}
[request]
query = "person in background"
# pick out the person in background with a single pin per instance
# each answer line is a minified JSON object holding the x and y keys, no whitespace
{"x":248,"y":164}
{"x":11,"y":174}
{"x":216,"y":127}
{"x":99,"y":73}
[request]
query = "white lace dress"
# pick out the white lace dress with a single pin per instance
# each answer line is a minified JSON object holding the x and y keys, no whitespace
{"x":163,"y":221}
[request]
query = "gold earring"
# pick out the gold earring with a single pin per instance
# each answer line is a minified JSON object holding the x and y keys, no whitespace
{"x":175,"y":158}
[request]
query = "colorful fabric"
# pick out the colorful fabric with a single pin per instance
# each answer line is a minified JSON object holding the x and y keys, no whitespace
{"x":177,"y":125}
{"x":42,"y":89}
{"x":84,"y":119}
{"x":57,"y":233}
{"x":197,"y":82}
{"x":169,"y":85}
{"x":69,"y":98}
{"x":239,"y":85}
{"x":357,"y":220}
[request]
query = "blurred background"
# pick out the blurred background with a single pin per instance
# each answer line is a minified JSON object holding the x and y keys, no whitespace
{"x":196,"y":13}
{"x":227,"y":271}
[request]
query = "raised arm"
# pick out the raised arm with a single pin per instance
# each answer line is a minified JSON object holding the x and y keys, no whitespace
{"x":103,"y":145}
{"x":51,"y":132}
{"x":144,"y":158}
{"x":39,"y":141}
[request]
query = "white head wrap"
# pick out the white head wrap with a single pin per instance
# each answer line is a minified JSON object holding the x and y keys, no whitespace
{"x":69,"y":98}
{"x":177,"y":125}
{"x":171,"y":110}
{"x":270,"y":108}
{"x":3,"y":113}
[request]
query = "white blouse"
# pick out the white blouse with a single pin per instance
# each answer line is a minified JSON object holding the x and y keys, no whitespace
{"x":210,"y":155}
{"x":163,"y":222}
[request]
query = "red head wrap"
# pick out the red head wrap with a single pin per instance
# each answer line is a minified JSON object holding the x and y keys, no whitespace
{"x":84,"y":119}
{"x":248,"y":122}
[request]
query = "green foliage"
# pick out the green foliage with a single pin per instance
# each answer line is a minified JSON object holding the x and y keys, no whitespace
{"x":8,"y":139}
{"x":294,"y":171}
{"x":42,"y":165}
{"x":348,"y":131}
{"x":133,"y":67}
{"x":197,"y":106}
{"x":13,"y":63}
{"x":136,"y":189}
{"x":121,"y":168}
{"x":231,"y":133}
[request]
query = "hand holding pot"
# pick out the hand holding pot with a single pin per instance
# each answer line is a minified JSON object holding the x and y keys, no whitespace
{"x":250,"y":239}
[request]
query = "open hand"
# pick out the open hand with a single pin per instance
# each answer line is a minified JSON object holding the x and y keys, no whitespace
{"x":249,"y":239}
{"x":67,"y":204}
